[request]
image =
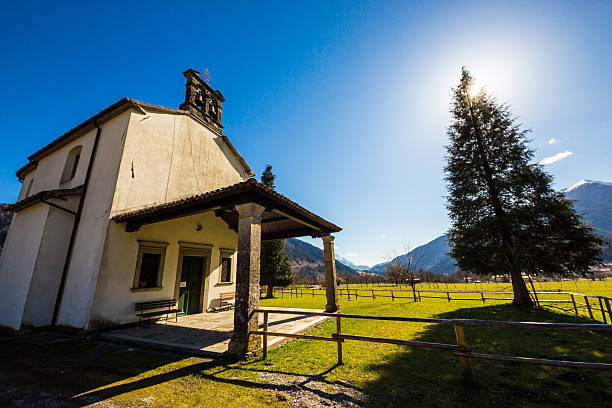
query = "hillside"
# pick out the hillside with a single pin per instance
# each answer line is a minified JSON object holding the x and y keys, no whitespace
{"x":591,"y":198}
{"x":352,"y":264}
{"x":307,"y":261}
{"x":5,"y":221}
{"x":594,"y":200}
{"x":434,"y":257}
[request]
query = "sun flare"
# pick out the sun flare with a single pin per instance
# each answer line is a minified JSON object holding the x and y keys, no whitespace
{"x":475,"y":88}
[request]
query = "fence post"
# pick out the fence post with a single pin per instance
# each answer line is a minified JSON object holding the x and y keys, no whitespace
{"x":414,"y":293}
{"x":313,"y":293}
{"x":586,"y":299}
{"x":356,"y":295}
{"x":574,"y":302}
{"x":465,"y":362}
{"x":265,"y":336}
{"x":392,"y":298}
{"x":603,"y":311}
{"x":448,"y":295}
{"x":338,"y":332}
{"x":483,"y":298}
{"x":373,"y":294}
{"x":609,"y":308}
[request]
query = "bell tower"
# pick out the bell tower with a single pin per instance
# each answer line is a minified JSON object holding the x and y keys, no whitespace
{"x":201,"y":100}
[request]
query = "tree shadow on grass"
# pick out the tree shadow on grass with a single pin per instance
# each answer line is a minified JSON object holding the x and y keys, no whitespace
{"x":415,"y":377}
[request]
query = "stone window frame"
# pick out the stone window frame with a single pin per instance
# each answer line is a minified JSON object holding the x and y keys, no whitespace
{"x":150,"y":247}
{"x":223,"y":254}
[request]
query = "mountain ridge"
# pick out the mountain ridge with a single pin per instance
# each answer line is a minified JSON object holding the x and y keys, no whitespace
{"x":592,"y":199}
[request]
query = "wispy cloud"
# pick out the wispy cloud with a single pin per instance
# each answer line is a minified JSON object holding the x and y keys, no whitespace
{"x":553,"y":140}
{"x":559,"y":156}
{"x":350,"y":255}
{"x":383,"y":236}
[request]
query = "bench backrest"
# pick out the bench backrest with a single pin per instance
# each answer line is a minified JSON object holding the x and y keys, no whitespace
{"x":227,"y":296}
{"x":156,"y":304}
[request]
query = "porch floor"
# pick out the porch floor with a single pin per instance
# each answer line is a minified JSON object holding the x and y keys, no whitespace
{"x":207,"y":333}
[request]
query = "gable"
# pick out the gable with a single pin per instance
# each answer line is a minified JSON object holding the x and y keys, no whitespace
{"x":169,"y":156}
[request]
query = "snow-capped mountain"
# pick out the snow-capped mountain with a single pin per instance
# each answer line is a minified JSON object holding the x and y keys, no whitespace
{"x":591,"y":198}
{"x":594,"y":200}
{"x":352,"y":264}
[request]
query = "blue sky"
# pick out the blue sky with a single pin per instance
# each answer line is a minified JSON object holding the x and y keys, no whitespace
{"x":347,"y":100}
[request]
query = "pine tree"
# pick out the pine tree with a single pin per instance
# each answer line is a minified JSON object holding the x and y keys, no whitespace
{"x":506,"y":218}
{"x":275,"y":269}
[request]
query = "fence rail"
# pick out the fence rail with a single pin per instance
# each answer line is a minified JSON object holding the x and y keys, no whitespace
{"x":577,"y":300}
{"x":460,"y":349}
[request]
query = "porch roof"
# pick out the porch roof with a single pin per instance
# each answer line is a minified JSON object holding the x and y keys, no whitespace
{"x":282,"y":217}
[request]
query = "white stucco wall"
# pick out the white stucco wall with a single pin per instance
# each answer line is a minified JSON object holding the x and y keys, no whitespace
{"x":49,"y":265}
{"x":17,"y":263}
{"x":30,"y":260}
{"x":142,"y":159}
{"x":48,"y":173}
{"x":82,"y":275}
{"x":114,"y":300}
{"x":169,"y":156}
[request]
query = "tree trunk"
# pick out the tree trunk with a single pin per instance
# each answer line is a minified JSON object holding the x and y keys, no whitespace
{"x":269,"y":291}
{"x":521,"y":293}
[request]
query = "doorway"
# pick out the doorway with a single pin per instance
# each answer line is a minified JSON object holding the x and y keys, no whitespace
{"x":191,"y":283}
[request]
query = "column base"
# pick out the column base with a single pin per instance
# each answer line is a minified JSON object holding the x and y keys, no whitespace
{"x":332,"y":308}
{"x":241,"y":348}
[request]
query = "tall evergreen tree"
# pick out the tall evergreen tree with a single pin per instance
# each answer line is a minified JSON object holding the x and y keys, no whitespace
{"x":275,"y":269}
{"x":505,"y":216}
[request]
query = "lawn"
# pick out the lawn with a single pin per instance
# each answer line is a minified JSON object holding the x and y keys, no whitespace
{"x":80,"y":373}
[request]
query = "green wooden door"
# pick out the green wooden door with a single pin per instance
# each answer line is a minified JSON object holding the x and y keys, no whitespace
{"x":190,"y":289}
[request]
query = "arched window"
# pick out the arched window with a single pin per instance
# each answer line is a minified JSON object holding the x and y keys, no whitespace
{"x":72,"y":163}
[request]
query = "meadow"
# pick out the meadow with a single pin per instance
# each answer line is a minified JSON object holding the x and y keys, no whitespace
{"x":82,"y":373}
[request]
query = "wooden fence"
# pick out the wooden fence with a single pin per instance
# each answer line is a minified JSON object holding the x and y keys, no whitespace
{"x":578,"y":301}
{"x":461,"y":349}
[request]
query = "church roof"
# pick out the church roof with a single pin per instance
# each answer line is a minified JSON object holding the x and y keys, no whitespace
{"x":109,"y":113}
{"x":282,"y":218}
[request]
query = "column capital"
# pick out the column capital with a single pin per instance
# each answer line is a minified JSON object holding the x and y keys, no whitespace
{"x":250,"y":210}
{"x":328,"y":238}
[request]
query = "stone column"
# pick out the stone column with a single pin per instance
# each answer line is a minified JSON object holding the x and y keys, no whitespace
{"x":247,"y":279}
{"x":330,"y":274}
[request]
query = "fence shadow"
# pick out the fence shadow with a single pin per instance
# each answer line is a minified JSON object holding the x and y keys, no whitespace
{"x":432,"y":378}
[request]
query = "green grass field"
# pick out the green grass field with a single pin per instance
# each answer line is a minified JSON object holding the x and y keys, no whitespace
{"x":392,"y":376}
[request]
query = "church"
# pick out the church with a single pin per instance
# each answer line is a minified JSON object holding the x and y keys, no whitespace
{"x":142,"y":203}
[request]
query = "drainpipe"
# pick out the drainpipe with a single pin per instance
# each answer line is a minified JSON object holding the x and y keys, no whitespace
{"x":75,"y":227}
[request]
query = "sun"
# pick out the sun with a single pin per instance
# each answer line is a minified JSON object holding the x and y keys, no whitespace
{"x":475,"y":88}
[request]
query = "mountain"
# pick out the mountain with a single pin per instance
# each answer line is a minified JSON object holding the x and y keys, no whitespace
{"x":5,"y":221}
{"x":352,"y":265}
{"x":591,"y":198}
{"x":307,"y":261}
{"x":433,"y":255}
{"x":379,"y":268}
{"x":594,"y":200}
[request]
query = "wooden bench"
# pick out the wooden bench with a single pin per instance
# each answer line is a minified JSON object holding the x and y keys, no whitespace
{"x":155,"y":308}
{"x":226,"y":300}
